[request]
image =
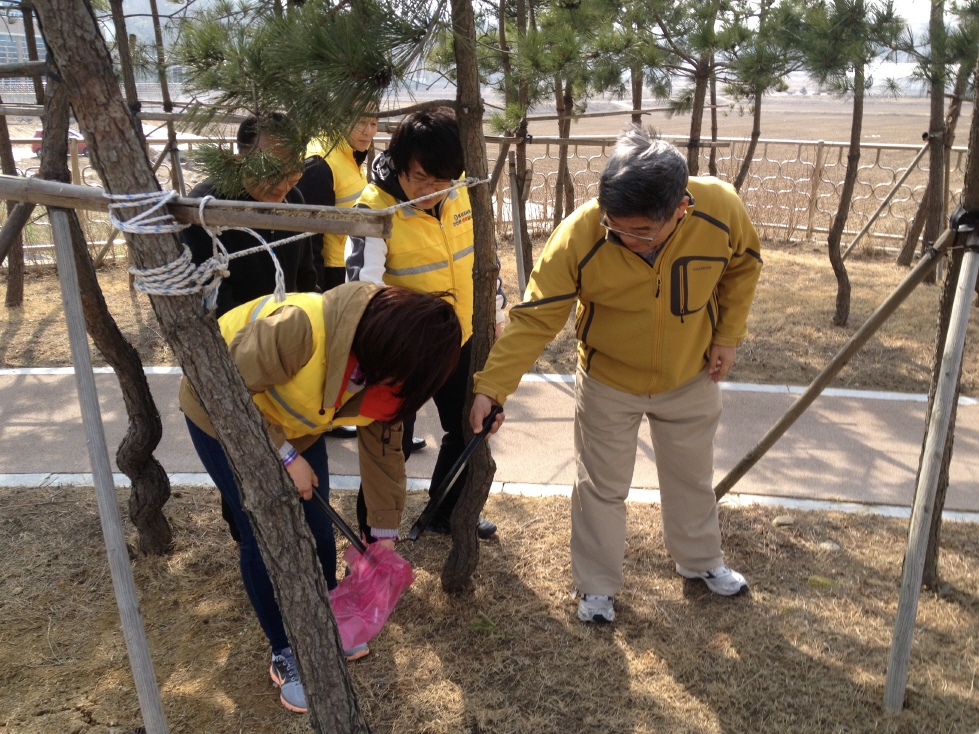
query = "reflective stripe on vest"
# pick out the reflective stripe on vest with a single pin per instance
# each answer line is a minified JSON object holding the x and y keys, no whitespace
{"x":431,"y":255}
{"x":296,"y":404}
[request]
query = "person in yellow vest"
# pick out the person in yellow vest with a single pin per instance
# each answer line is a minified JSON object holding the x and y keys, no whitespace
{"x":362,"y":355}
{"x":663,"y":269}
{"x":430,"y":249}
{"x":335,"y":175}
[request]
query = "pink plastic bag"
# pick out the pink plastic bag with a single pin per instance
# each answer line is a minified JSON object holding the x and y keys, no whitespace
{"x":363,"y":601}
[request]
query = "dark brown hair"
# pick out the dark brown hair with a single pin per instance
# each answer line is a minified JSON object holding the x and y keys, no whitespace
{"x":410,"y":339}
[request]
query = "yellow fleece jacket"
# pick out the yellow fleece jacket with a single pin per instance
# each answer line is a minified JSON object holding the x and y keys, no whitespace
{"x":642,"y":329}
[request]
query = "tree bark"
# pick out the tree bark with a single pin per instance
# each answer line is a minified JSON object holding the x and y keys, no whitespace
{"x":269,"y":496}
{"x":562,"y":155}
{"x":15,"y":257}
{"x":712,"y":159}
{"x":842,"y":314}
{"x":936,"y":128}
{"x":752,"y":145}
{"x":464,"y":555}
{"x":17,"y":218}
{"x":970,"y":201}
{"x":906,"y":255}
{"x":700,"y":81}
{"x":27,"y":13}
{"x":125,"y":55}
{"x":523,"y":99}
{"x":150,"y":484}
{"x":637,"y":88}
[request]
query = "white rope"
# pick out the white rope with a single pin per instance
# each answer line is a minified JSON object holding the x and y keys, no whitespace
{"x":461,"y":183}
{"x":144,"y":222}
{"x":181,"y":277}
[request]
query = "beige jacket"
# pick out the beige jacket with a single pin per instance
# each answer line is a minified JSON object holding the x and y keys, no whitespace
{"x":270,"y":351}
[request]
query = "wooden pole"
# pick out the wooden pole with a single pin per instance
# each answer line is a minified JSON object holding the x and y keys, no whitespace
{"x":829,"y":372}
{"x":924,"y":497}
{"x":115,"y":542}
{"x":515,"y":221}
{"x":886,"y":201}
{"x":221,"y":213}
{"x":27,"y":12}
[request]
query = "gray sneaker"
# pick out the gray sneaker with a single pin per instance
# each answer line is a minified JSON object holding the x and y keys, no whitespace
{"x":285,"y":674}
{"x":721,"y":580}
{"x":596,"y":608}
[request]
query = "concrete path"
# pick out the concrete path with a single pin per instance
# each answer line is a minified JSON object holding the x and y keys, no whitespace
{"x":850,"y":446}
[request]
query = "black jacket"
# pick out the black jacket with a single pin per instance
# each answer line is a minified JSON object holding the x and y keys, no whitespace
{"x":253,"y":276}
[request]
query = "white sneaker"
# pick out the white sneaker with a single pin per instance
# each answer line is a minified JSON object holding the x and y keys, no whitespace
{"x":596,"y":608}
{"x":721,"y":580}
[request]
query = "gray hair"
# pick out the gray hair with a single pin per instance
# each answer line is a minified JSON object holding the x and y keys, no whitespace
{"x":644,"y":177}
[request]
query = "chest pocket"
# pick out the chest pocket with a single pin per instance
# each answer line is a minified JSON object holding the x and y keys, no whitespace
{"x":692,"y":283}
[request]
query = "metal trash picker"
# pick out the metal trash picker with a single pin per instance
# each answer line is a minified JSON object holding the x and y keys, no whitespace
{"x":433,"y":504}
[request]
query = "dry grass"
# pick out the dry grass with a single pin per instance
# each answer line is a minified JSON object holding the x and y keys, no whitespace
{"x":806,"y":651}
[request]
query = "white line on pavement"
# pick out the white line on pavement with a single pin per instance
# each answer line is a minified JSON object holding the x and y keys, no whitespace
{"x":647,"y":496}
{"x":831,"y":392}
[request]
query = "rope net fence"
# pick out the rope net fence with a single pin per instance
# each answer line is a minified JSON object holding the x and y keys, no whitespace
{"x":791,"y":191}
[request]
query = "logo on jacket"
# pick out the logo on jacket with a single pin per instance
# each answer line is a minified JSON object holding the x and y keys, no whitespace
{"x":462,"y":217}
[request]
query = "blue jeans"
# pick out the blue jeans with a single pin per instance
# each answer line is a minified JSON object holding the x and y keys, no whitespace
{"x":258,"y":586}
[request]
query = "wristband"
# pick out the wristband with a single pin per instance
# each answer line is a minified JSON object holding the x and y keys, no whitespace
{"x":290,"y":457}
{"x":385,"y":533}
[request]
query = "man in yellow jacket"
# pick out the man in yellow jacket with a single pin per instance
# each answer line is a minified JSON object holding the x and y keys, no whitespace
{"x":663,"y":269}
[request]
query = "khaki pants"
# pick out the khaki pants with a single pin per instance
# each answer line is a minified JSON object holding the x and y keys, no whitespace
{"x":682,"y":423}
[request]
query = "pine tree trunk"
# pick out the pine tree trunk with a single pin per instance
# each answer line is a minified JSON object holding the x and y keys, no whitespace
{"x":712,"y":160}
{"x":936,"y":130}
{"x":906,"y":255}
{"x":566,"y":133}
{"x":842,"y":314}
{"x":508,"y":85}
{"x":464,"y":555}
{"x":930,"y":578}
{"x":270,"y":498}
{"x":15,"y":258}
{"x":562,"y":155}
{"x":637,"y":88}
{"x":125,"y":55}
{"x":752,"y":145}
{"x":523,"y":99}
{"x":150,"y":484}
{"x":701,"y":81}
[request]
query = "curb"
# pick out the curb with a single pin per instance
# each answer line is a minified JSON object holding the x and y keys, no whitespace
{"x":349,"y":483}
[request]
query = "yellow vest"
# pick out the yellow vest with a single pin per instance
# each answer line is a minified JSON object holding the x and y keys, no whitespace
{"x":349,"y":180}
{"x":297,"y":405}
{"x":427,"y":254}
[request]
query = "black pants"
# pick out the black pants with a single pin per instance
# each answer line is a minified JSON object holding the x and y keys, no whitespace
{"x":450,"y":401}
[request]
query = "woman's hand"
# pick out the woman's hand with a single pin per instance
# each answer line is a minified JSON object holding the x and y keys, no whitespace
{"x":304,"y":477}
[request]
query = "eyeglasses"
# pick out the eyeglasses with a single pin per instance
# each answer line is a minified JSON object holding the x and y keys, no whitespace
{"x":644,"y":238}
{"x":428,"y":181}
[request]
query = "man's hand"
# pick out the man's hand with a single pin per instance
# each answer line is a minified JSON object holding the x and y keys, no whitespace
{"x":303,"y":476}
{"x":482,"y":406}
{"x":720,"y":360}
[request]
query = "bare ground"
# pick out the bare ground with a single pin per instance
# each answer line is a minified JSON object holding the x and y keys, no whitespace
{"x":806,"y":651}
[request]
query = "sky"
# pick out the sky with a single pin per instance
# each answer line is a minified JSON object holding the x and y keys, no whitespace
{"x":915,"y":12}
